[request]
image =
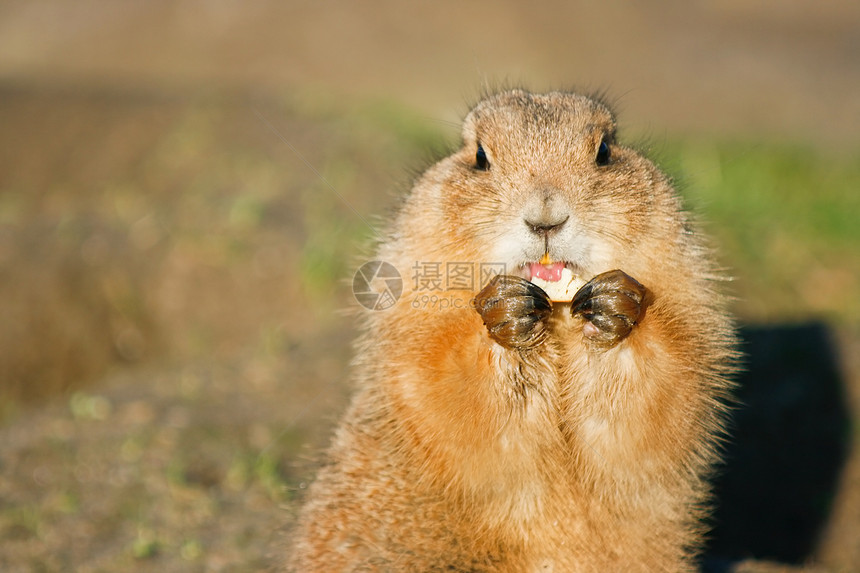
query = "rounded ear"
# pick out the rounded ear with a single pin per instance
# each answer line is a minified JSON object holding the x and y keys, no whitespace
{"x":469,"y":131}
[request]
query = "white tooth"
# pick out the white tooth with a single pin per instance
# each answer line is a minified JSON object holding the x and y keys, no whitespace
{"x":563,"y":289}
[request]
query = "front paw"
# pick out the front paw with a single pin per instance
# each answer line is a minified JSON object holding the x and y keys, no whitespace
{"x":514,"y":311}
{"x":612,"y":304}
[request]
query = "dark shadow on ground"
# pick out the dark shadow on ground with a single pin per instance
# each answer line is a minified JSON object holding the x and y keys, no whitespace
{"x":790,"y":439}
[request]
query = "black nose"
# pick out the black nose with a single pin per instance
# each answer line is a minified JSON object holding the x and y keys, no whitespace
{"x":546,"y":227}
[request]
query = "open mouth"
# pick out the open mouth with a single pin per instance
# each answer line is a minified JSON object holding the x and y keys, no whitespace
{"x":548,"y":272}
{"x":558,"y":279}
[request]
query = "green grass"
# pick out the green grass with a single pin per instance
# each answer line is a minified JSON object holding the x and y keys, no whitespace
{"x":785,"y":220}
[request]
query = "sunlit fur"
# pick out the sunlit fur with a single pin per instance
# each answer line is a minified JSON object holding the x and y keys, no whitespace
{"x":458,"y":454}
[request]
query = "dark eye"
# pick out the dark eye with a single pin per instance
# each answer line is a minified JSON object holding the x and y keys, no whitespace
{"x":481,"y":161}
{"x":602,"y":157}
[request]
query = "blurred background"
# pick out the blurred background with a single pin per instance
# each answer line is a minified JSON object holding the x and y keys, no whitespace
{"x":184,"y":190}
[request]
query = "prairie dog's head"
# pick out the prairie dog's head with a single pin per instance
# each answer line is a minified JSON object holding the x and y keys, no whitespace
{"x":542,"y":177}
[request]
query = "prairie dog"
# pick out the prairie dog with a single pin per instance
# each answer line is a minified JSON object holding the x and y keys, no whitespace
{"x":505,"y":432}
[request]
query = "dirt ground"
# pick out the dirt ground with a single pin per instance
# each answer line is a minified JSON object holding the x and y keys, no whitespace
{"x":185,"y":190}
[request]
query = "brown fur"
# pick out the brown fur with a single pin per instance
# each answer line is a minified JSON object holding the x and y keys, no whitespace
{"x":520,"y":436}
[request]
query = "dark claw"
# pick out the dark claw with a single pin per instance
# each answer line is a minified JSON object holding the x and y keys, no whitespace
{"x":514,"y":309}
{"x":612,"y":302}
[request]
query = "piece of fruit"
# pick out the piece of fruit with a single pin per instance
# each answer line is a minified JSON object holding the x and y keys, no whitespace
{"x":561,"y":289}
